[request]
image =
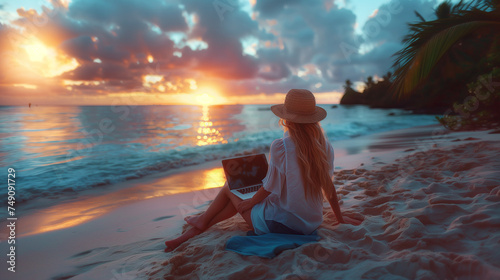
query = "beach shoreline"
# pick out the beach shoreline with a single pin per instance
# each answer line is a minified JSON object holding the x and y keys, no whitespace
{"x":134,"y":229}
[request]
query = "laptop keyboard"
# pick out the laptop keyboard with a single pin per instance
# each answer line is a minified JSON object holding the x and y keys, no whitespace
{"x":250,"y":189}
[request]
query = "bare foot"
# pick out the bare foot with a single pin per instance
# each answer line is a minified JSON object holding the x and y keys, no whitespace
{"x":196,"y":221}
{"x":174,"y":243}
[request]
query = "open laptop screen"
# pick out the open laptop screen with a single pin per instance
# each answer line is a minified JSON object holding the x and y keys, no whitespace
{"x":245,"y":171}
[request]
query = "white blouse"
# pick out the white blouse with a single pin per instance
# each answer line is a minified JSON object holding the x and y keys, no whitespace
{"x":287,"y":204}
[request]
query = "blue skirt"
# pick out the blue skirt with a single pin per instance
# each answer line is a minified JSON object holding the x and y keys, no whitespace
{"x":263,"y":226}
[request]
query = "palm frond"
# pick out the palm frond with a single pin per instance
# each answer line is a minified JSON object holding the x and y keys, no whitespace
{"x":429,"y":41}
{"x":419,"y":16}
{"x":443,"y":10}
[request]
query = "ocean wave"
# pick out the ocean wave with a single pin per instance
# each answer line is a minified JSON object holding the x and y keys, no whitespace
{"x":64,"y":174}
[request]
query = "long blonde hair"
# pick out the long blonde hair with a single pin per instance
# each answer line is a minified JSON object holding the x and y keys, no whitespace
{"x":310,"y":147}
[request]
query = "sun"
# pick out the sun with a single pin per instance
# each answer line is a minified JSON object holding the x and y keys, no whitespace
{"x":206,"y":96}
{"x":46,"y":61}
{"x":205,"y":99}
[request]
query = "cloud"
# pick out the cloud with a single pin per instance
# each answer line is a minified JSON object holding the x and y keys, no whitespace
{"x":271,"y":8}
{"x":249,"y":87}
{"x":273,"y":64}
{"x":390,"y":24}
{"x":168,"y":17}
{"x":308,"y":29}
{"x":270,"y":47}
{"x":224,"y":56}
{"x":99,"y":72}
{"x":371,"y":53}
{"x":311,"y":33}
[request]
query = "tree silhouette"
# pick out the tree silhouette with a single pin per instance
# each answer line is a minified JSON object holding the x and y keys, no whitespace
{"x":348,"y":84}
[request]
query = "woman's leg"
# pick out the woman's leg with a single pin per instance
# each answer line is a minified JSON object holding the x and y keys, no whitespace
{"x":201,"y":221}
{"x":225,"y":214}
{"x":216,"y":212}
{"x":218,"y":204}
{"x":246,"y":214}
{"x":174,"y":243}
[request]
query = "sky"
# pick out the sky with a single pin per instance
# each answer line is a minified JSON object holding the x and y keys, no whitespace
{"x":124,"y":52}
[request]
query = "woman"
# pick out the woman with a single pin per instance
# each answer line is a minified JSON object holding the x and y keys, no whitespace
{"x":299,"y":174}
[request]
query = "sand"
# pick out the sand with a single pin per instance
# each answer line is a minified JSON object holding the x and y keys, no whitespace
{"x":430,"y":203}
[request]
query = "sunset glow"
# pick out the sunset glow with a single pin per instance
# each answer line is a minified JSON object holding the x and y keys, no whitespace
{"x":207,"y":96}
{"x":204,"y":99}
{"x":152,"y":79}
{"x":44,"y":60}
{"x":65,"y":54}
{"x":75,"y":213}
{"x":26,"y":86}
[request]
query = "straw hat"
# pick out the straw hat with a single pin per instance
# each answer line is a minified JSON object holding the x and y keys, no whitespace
{"x":300,"y":107}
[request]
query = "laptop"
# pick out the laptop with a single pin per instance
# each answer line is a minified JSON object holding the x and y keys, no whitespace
{"x":244,"y":174}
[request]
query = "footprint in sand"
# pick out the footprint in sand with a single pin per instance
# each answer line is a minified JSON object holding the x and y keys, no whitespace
{"x":163,"y":218}
{"x":81,"y":254}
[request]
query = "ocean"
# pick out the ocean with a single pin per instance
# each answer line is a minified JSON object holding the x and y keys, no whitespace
{"x":65,"y":149}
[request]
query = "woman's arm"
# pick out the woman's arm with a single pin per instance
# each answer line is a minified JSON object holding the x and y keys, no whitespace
{"x":334,"y":203}
{"x":344,"y":219}
{"x":259,"y":196}
{"x":249,"y":203}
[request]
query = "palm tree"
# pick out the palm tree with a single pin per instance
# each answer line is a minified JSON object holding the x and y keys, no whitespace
{"x":387,"y":77}
{"x":369,"y":82}
{"x":348,"y":84}
{"x":430,"y":40}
